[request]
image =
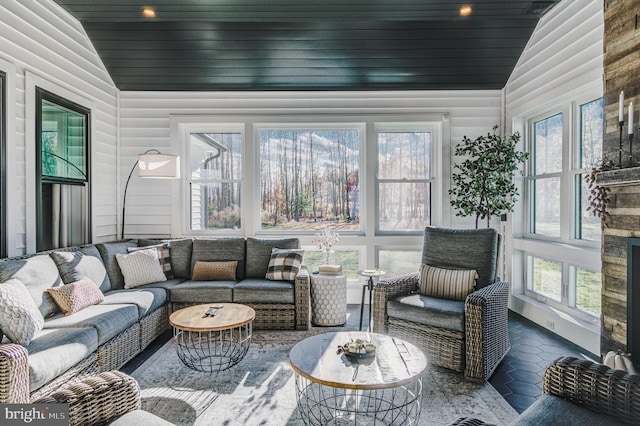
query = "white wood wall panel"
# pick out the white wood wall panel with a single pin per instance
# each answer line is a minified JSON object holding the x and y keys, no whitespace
{"x":40,"y":38}
{"x":563,"y":55}
{"x":145,"y":124}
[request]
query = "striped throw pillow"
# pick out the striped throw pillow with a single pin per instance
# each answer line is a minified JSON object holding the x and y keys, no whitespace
{"x":454,"y":284}
{"x":284,"y":264}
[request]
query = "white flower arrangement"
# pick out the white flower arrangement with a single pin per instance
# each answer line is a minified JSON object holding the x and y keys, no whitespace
{"x":326,"y":239}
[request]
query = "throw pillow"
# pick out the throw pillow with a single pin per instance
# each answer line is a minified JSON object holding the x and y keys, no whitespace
{"x":214,"y":271}
{"x":140,"y":267}
{"x":454,"y":284}
{"x":164,"y":257}
{"x":76,"y":265}
{"x":284,"y":264}
{"x":76,"y":296}
{"x":20,"y":318}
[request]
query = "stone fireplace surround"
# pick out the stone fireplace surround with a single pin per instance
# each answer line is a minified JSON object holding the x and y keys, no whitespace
{"x":621,"y":241}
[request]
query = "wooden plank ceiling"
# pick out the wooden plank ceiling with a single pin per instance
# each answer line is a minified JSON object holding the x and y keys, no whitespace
{"x":308,"y":44}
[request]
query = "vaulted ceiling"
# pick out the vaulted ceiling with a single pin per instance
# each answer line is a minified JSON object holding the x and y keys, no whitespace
{"x":308,"y":44}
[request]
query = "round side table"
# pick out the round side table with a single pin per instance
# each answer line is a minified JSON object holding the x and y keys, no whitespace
{"x":328,"y":299}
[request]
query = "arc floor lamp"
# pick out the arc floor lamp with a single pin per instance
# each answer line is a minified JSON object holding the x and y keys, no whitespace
{"x":152,"y":164}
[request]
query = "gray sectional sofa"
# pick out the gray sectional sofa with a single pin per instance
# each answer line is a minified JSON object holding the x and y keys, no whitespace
{"x":104,"y":336}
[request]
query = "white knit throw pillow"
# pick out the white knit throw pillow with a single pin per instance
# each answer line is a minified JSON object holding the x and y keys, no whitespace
{"x":140,"y":267}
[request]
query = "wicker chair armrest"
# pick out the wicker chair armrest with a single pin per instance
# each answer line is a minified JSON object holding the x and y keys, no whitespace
{"x":486,"y":330}
{"x":595,"y":387}
{"x":98,"y":399}
{"x":14,"y":374}
{"x":302,"y":284}
{"x":387,"y":289}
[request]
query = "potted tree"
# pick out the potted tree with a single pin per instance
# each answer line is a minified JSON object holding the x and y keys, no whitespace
{"x":483,"y":182}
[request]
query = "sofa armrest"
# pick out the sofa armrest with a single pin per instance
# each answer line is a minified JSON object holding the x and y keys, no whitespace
{"x":594,"y":386}
{"x":98,"y":399}
{"x":14,"y":374}
{"x":302,"y":284}
{"x":387,"y":289}
{"x":486,"y":330}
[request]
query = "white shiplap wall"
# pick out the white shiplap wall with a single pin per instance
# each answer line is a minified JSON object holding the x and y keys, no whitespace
{"x":563,"y":60}
{"x":145,"y":123}
{"x":41,"y":44}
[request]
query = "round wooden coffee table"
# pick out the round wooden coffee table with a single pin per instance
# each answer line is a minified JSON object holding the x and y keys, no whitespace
{"x":212,"y":343}
{"x":335,"y":389}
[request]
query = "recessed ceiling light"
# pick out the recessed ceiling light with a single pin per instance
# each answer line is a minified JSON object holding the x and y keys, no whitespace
{"x":465,"y":10}
{"x":148,"y":12}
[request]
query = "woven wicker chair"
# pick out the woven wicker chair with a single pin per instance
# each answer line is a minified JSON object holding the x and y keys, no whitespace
{"x":478,"y":345}
{"x":611,"y":396}
{"x":108,"y":398}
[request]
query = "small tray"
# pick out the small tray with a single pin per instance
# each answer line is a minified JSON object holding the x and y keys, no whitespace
{"x":359,"y":356}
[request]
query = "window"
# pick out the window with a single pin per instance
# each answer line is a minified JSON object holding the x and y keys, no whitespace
{"x":399,"y":261}
{"x":3,"y":165}
{"x":309,"y":177}
{"x":62,"y":173}
{"x":215,"y":178}
{"x":564,"y":144}
{"x":404,"y":181}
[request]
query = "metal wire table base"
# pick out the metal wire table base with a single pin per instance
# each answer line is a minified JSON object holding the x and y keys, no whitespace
{"x":325,"y":405}
{"x":212,"y":351}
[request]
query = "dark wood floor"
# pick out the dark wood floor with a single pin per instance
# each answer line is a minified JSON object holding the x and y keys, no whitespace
{"x":518,"y":378}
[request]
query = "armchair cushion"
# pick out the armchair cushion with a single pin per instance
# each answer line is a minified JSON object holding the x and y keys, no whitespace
{"x":430,"y":311}
{"x":453,"y":284}
{"x":463,"y":249}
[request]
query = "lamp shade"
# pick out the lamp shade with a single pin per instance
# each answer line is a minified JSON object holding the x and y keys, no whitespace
{"x":159,"y":166}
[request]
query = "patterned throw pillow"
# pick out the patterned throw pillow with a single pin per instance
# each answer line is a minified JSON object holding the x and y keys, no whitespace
{"x":164,"y":257}
{"x":76,"y":296}
{"x":20,"y":318}
{"x":284,"y":264}
{"x":140,"y":267}
{"x":454,"y":284}
{"x":214,"y":271}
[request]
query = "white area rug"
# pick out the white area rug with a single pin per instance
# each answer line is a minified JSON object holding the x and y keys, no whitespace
{"x":260,"y":390}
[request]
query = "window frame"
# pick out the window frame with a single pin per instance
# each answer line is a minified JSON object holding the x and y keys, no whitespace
{"x":289,"y":125}
{"x":395,"y":127}
{"x":42,"y":95}
{"x":568,"y":249}
{"x":231,"y":127}
{"x":3,"y":165}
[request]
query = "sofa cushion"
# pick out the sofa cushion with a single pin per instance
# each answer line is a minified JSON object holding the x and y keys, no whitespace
{"x":146,"y":299}
{"x":259,"y":253}
{"x":166,"y":285}
{"x":83,"y":263}
{"x":219,"y":249}
{"x":552,"y":410}
{"x":284,"y":264}
{"x":20,"y":319}
{"x":256,"y":290}
{"x":54,"y":351}
{"x":37,"y":273}
{"x":180,"y":255}
{"x":108,"y":253}
{"x":215,"y":271}
{"x":164,"y":257}
{"x":140,"y":267}
{"x":442,"y":313}
{"x":76,"y":296}
{"x":454,"y":284}
{"x":108,"y":320}
{"x":202,"y":292}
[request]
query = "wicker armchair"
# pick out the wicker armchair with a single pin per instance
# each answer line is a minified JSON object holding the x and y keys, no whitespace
{"x":580,"y":392}
{"x":477,"y":342}
{"x":108,"y":398}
